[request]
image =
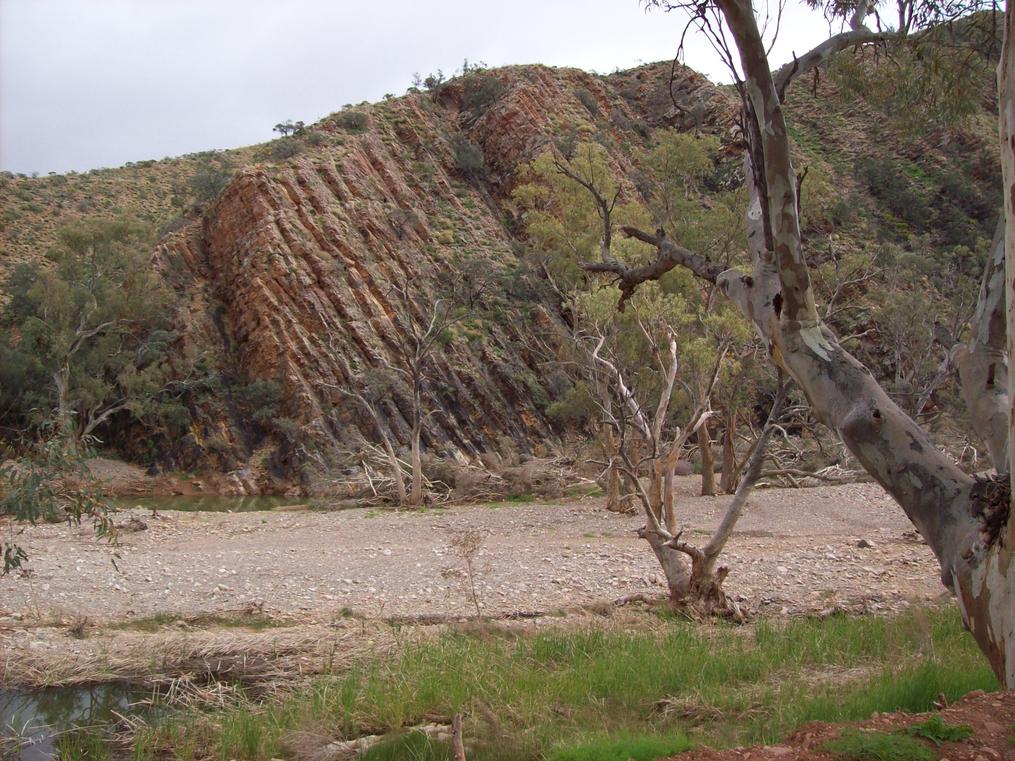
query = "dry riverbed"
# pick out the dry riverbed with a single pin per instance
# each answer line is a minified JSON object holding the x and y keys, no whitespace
{"x":797,"y":551}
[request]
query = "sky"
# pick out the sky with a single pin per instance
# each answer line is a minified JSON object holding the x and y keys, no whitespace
{"x":97,"y":83}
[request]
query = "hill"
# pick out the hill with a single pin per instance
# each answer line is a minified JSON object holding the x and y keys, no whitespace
{"x":295,"y":281}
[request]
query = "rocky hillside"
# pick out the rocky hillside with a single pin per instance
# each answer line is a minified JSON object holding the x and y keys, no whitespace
{"x":291,"y":282}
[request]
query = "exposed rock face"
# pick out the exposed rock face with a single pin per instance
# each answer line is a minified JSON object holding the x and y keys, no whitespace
{"x":294,"y":273}
{"x":293,"y":276}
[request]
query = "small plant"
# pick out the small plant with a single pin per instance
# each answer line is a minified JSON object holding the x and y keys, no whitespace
{"x":465,"y":545}
{"x":938,"y":731}
{"x":878,"y":746}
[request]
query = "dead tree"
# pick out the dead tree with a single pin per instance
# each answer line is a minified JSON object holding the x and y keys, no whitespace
{"x":419,"y":335}
{"x":964,"y":520}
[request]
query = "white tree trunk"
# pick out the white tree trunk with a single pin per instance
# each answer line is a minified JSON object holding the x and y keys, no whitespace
{"x":964,"y":520}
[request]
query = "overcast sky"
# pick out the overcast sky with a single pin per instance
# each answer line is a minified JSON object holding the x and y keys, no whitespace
{"x":93,"y":83}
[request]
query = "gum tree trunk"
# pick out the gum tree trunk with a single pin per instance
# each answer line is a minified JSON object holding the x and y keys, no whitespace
{"x":965,"y":521}
{"x":728,"y":479}
{"x":707,"y":462}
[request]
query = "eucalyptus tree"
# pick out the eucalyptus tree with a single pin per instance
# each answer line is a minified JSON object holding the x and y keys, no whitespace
{"x":964,"y":519}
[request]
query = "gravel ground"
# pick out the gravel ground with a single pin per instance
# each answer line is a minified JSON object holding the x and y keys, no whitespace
{"x":795,"y":551}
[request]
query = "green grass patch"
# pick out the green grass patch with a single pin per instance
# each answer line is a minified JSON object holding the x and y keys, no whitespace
{"x":624,"y":746}
{"x":411,"y":746}
{"x":938,"y":731}
{"x":878,"y":746}
{"x":530,"y":694}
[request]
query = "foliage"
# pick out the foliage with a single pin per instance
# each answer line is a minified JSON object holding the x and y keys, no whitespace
{"x":480,"y":91}
{"x":887,"y":182}
{"x":877,"y":746}
{"x":934,"y":78}
{"x":587,"y":99}
{"x":210,"y":178}
{"x":87,"y":336}
{"x":938,"y":731}
{"x":287,"y":128}
{"x":354,"y":121}
{"x":467,"y":155}
{"x":51,"y":482}
{"x":280,"y":150}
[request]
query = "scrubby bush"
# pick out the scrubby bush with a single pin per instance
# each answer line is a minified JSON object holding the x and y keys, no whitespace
{"x":480,"y":92}
{"x":887,"y":182}
{"x":210,"y":179}
{"x":281,"y":150}
{"x":468,"y":156}
{"x":354,"y":121}
{"x":588,"y":100}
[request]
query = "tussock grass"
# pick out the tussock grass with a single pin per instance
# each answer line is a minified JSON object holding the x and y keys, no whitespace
{"x":878,"y":746}
{"x":541,"y":695}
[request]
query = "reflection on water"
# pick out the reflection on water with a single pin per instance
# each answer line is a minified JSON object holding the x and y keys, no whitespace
{"x":29,"y":720}
{"x":208,"y":503}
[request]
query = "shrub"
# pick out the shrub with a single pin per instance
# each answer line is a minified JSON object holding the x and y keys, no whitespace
{"x":588,"y":100}
{"x":887,"y":182}
{"x":210,"y":179}
{"x":481,"y":90}
{"x":468,"y":156}
{"x":285,"y":149}
{"x":354,"y":121}
{"x":316,"y":139}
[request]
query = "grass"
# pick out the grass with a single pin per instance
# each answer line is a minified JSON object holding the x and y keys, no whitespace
{"x":878,"y":746}
{"x":938,"y":731}
{"x":531,"y":694}
{"x":624,"y":746}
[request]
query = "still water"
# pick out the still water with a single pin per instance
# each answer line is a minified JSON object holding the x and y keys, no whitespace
{"x":31,"y":720}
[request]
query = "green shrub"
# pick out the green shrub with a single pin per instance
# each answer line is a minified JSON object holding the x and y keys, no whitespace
{"x":285,"y":148}
{"x":480,"y":92}
{"x":354,"y":121}
{"x":588,"y":100}
{"x":210,"y":179}
{"x":468,"y":156}
{"x":888,"y":183}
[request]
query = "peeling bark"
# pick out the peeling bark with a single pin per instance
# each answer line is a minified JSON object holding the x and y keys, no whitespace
{"x":982,"y":362}
{"x":965,"y":524}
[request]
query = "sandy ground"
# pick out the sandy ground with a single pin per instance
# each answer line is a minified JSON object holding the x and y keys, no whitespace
{"x":795,"y":551}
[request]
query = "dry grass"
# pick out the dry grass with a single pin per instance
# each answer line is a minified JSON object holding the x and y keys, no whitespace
{"x":183,"y":662}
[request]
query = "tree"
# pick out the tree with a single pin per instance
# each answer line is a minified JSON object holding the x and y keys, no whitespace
{"x":965,"y":520}
{"x":422,"y":327}
{"x":91,"y":330}
{"x":288,"y":127}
